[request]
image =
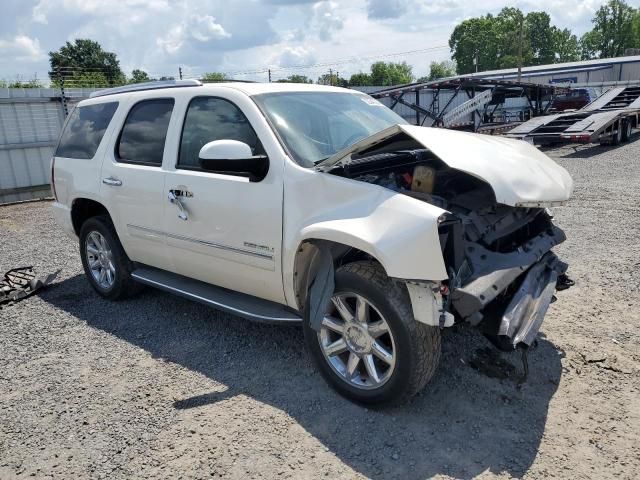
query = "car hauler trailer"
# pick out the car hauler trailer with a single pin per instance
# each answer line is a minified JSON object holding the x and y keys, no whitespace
{"x":609,"y":119}
{"x":469,"y":103}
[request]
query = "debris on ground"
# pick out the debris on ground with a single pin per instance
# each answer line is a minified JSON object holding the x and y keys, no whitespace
{"x":20,"y":283}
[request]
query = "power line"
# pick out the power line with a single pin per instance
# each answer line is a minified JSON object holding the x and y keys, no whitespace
{"x":342,"y":61}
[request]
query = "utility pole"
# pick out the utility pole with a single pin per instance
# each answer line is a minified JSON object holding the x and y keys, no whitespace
{"x":337,"y":78}
{"x":180,"y":72}
{"x":475,"y":59}
{"x":520,"y":50}
{"x":269,"y":75}
{"x":330,"y":77}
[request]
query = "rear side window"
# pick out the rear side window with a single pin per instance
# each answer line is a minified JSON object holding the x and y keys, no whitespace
{"x":84,"y":130}
{"x":209,"y":119}
{"x":144,"y":132}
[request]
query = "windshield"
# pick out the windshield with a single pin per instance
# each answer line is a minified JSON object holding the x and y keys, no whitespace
{"x":315,"y":125}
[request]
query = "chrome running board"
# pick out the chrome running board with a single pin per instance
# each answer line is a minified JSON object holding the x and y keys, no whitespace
{"x":236,"y":303}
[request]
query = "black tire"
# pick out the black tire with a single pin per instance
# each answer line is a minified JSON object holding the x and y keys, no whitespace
{"x":617,"y":137}
{"x":123,"y":285}
{"x":417,"y":345}
{"x":627,"y":127}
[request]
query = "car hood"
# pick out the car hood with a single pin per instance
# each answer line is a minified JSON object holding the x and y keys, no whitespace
{"x":519,"y":173}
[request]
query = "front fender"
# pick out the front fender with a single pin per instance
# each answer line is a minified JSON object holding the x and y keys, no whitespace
{"x":399,"y":231}
{"x":396,"y":233}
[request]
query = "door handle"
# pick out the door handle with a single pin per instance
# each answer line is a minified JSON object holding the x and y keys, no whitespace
{"x":112,"y":181}
{"x":181,"y":193}
{"x":173,"y":198}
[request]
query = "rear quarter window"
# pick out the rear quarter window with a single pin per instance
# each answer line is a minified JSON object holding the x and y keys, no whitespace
{"x":84,"y":130}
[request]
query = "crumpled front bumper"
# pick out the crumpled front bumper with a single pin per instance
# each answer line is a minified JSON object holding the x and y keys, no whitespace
{"x":523,"y":316}
{"x":511,"y":300}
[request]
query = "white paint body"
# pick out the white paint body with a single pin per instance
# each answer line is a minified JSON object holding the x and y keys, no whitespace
{"x":244,"y":235}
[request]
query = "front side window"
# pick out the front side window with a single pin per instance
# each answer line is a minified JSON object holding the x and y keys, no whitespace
{"x":84,"y":130}
{"x":209,"y":119}
{"x":315,"y":125}
{"x":144,"y":132}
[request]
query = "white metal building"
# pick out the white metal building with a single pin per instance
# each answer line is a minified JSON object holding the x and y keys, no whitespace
{"x":618,"y":69}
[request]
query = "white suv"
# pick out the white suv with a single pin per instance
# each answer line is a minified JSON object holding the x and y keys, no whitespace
{"x":303,"y":203}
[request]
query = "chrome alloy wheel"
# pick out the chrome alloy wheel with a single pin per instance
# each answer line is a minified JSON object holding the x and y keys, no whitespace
{"x":357,"y":342}
{"x":100,"y":260}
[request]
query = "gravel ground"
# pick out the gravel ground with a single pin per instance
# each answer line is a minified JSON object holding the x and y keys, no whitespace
{"x":159,"y":387}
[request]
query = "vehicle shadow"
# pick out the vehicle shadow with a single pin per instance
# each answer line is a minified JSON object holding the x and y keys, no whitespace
{"x":462,"y":425}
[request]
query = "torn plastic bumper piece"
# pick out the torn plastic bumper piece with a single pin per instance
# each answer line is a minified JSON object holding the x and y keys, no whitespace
{"x":523,"y":316}
{"x":19,"y":283}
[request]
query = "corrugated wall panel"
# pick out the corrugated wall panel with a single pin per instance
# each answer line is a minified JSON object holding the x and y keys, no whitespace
{"x":30,"y":123}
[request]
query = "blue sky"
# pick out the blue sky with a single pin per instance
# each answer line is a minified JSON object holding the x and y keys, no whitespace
{"x":240,"y":36}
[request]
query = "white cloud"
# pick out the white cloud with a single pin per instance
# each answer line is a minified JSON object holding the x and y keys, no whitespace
{"x":326,"y":19}
{"x":386,"y":8}
{"x":202,"y":29}
{"x":21,"y":48}
{"x":294,"y":56}
{"x":205,"y":29}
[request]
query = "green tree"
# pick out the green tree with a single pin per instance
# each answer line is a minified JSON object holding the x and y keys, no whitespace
{"x":511,"y":34}
{"x":214,"y":77}
{"x":540,"y":36}
{"x":84,"y":57}
{"x":332,"y":79}
{"x":636,"y":29}
{"x":20,"y":83}
{"x":360,"y":80}
{"x":389,"y":73}
{"x":509,"y":39}
{"x":475,"y":39}
{"x":612,"y":33}
{"x":438,"y":70}
{"x":295,"y":79}
{"x":566,"y":46}
{"x":139,"y":76}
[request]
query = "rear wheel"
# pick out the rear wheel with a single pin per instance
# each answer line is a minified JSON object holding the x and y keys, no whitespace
{"x":370,"y":348}
{"x":105,"y":263}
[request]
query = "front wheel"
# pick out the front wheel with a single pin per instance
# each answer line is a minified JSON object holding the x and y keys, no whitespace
{"x":369,"y":347}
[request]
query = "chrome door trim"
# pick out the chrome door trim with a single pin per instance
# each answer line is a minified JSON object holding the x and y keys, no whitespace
{"x":206,"y":243}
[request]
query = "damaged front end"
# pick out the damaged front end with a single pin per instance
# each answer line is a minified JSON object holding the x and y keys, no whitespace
{"x":506,"y":291}
{"x":502,"y":272}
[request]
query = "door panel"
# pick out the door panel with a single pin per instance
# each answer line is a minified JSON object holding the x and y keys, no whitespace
{"x":232,"y":235}
{"x":233,"y":232}
{"x":133,"y":181}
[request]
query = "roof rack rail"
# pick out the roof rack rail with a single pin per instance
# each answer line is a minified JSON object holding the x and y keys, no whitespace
{"x":137,"y":87}
{"x":230,"y":80}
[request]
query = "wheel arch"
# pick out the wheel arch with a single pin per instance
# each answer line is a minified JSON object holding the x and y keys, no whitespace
{"x":84,"y":208}
{"x":305,"y":266}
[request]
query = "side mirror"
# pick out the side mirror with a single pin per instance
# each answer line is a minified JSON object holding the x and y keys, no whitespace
{"x":232,"y":157}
